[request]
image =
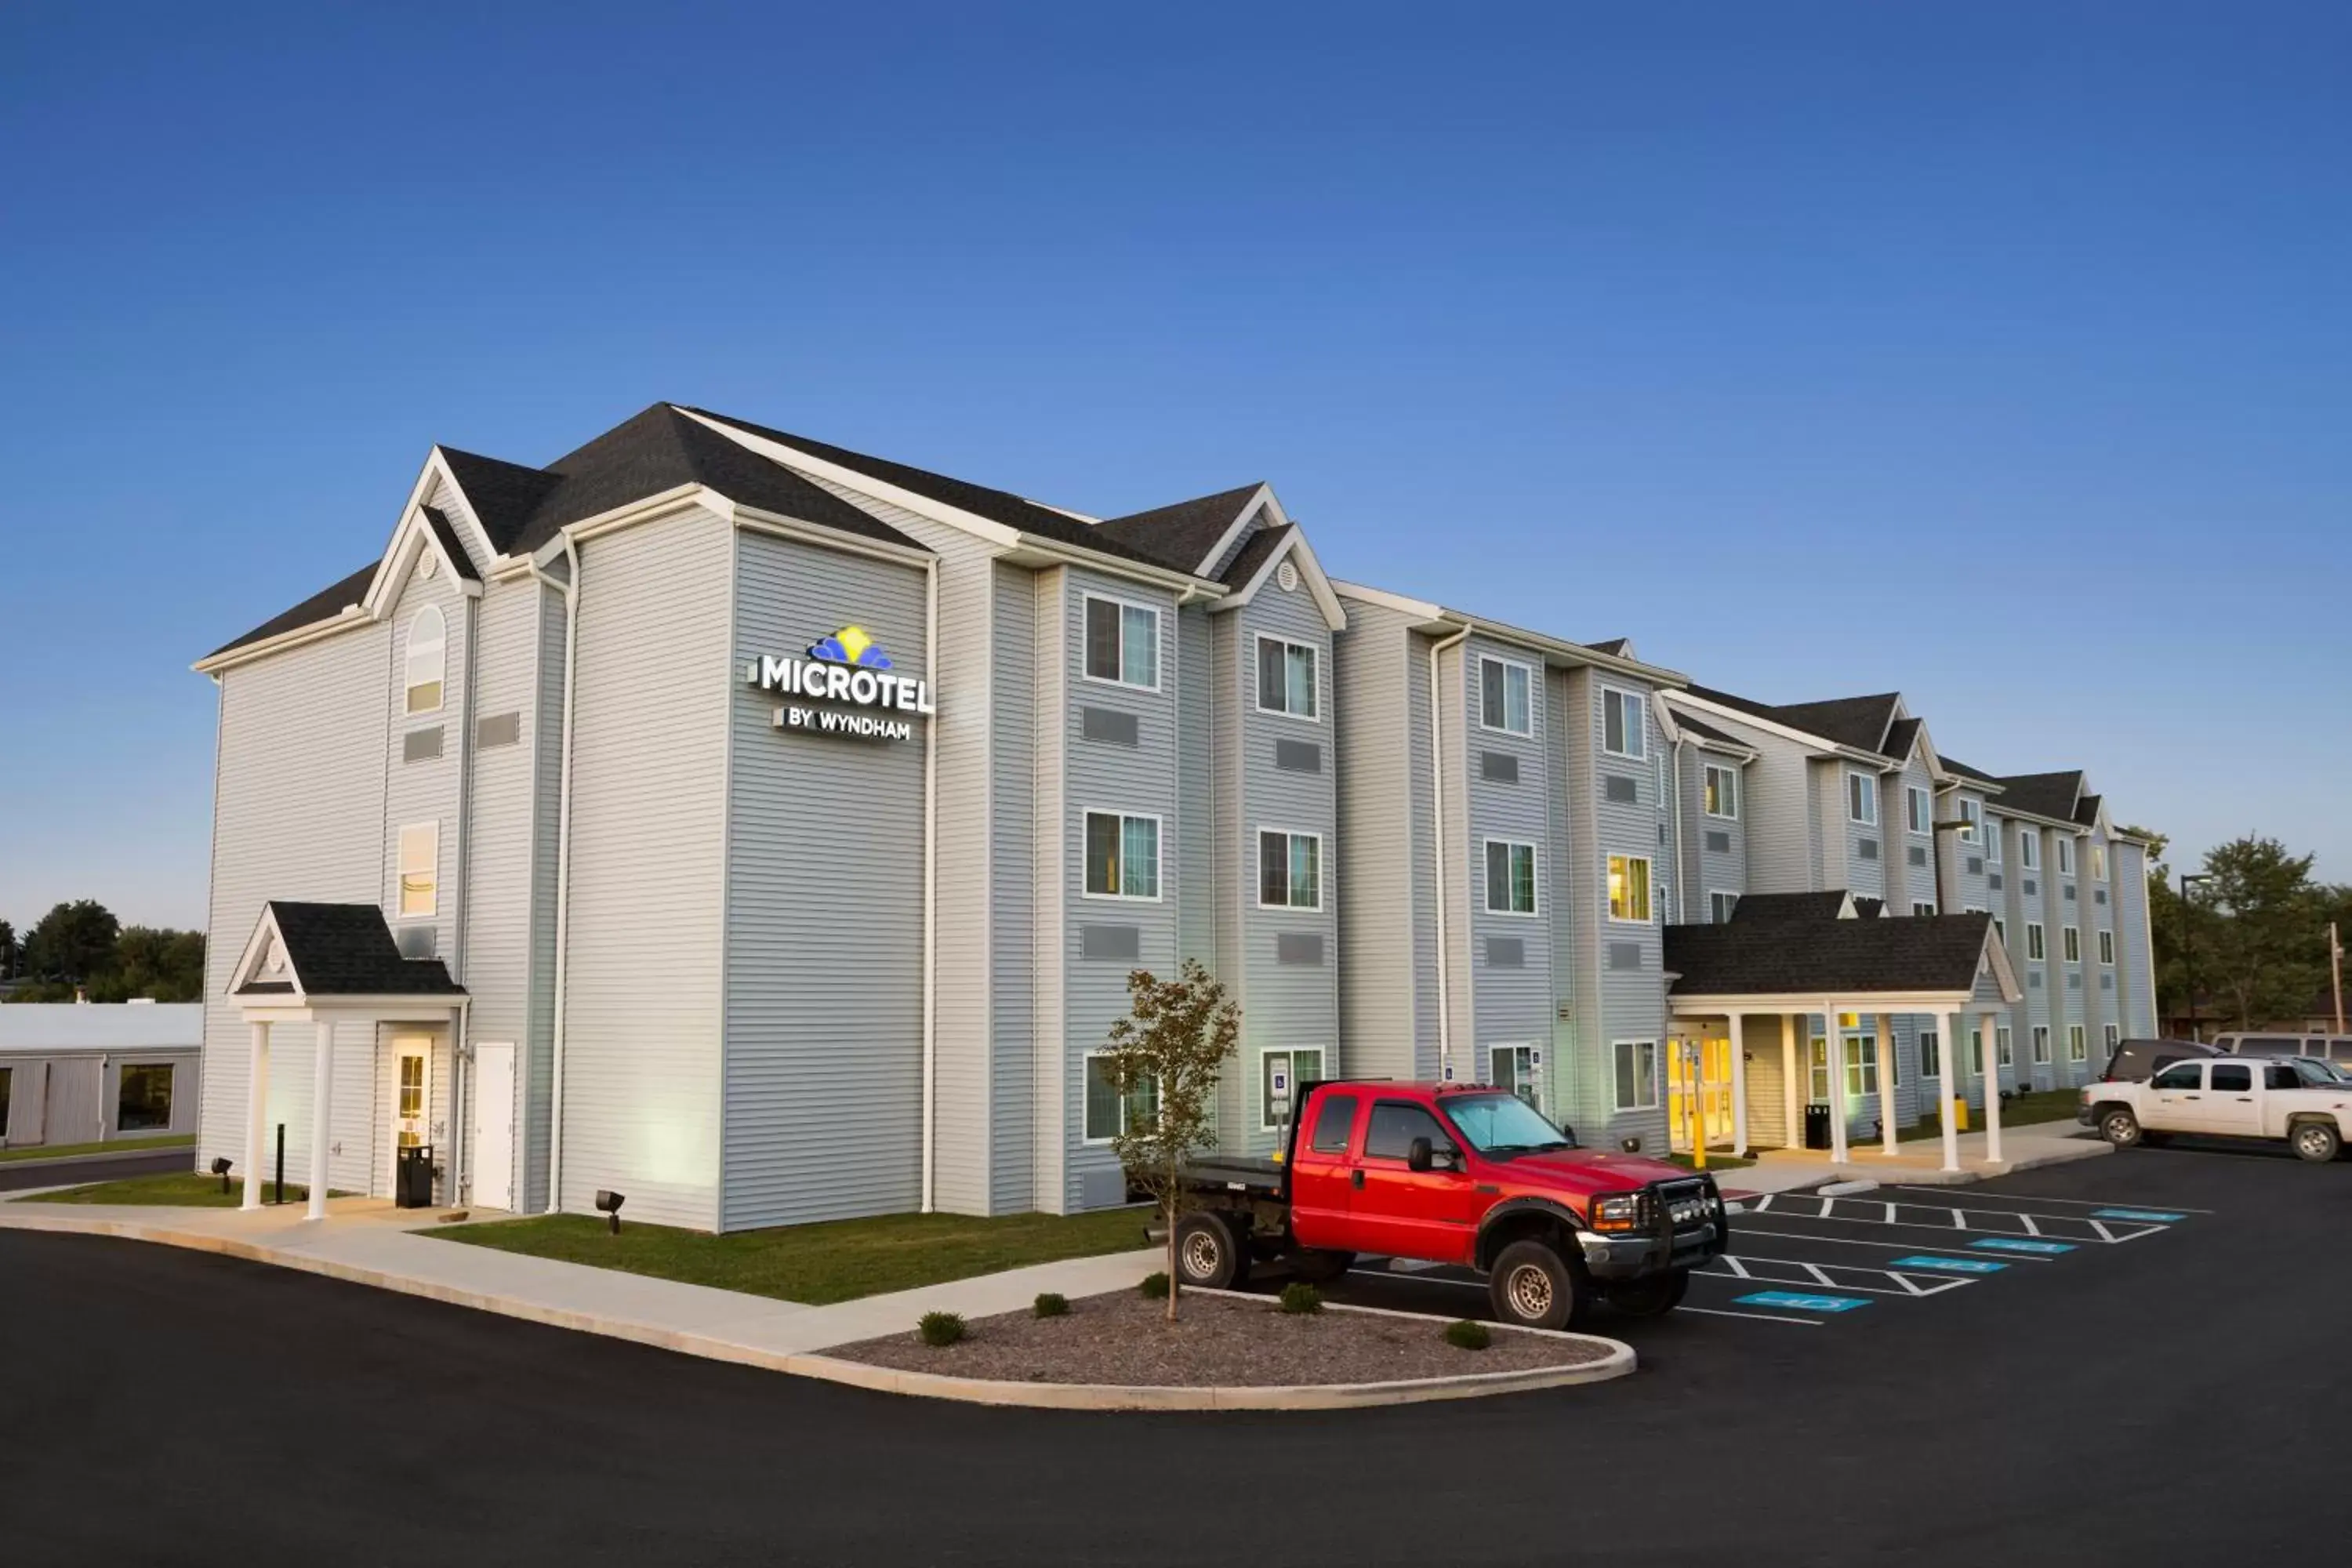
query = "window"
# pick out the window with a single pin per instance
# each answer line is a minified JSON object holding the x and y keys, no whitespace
{"x":1931,"y":1055}
{"x":1513,"y":1068}
{"x":1818,"y":1070}
{"x":1722,"y":791}
{"x":2112,"y":1035}
{"x":1334,"y":1117}
{"x":427,"y":660}
{"x":2041,"y":1045}
{"x":1920,"y":908}
{"x":2029,"y":847}
{"x":1109,"y":1113}
{"x":2004,"y":1048}
{"x":420,"y":857}
{"x":1719,"y":907}
{"x":2107,"y":947}
{"x":1993,"y":842}
{"x":1861,"y":1066}
{"x":2000,"y":930}
{"x":2182,"y":1075}
{"x":1637,"y":1073}
{"x":143,"y":1099}
{"x":2035,"y":947}
{"x":1122,"y":855}
{"x":8,"y":1083}
{"x":1510,"y":877}
{"x":1285,"y":678}
{"x":1503,"y":696}
{"x":1976,"y":1052}
{"x":2070,"y":942}
{"x":1122,"y":643}
{"x":1624,"y":723}
{"x":1918,"y":809}
{"x":2098,"y":862}
{"x":1629,"y":888}
{"x":1972,"y":820}
{"x":1289,"y":871}
{"x":2233,"y":1077}
{"x":1396,"y":1124}
{"x":2078,"y":1049}
{"x":1861,"y":799}
{"x":2065,"y":856}
{"x":1279,"y":1074}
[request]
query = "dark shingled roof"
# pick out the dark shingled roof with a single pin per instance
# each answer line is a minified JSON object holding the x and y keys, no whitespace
{"x":1180,"y":536}
{"x":1868,"y":909}
{"x":323,"y":605}
{"x":1838,"y":961}
{"x":503,"y":495}
{"x":346,"y":949}
{"x":446,"y":533}
{"x":1690,"y":726}
{"x":2087,"y":810}
{"x":997,"y":506}
{"x":1901,"y":736}
{"x":1253,"y":553}
{"x":2043,"y":794}
{"x":1779,"y":908}
{"x":1954,"y":764}
{"x":1615,"y":647}
{"x":1860,"y":722}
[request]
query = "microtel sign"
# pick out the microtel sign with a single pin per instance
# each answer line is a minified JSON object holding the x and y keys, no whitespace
{"x":847,"y":667}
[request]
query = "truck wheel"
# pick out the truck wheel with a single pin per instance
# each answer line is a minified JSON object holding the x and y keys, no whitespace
{"x":2316,"y":1142}
{"x":1532,"y":1287}
{"x":1653,"y":1297}
{"x":2119,"y":1126}
{"x":1208,"y":1254}
{"x":1319,"y":1268}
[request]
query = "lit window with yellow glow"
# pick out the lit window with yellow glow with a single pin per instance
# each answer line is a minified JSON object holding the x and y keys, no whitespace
{"x":1629,"y":888}
{"x":420,"y":856}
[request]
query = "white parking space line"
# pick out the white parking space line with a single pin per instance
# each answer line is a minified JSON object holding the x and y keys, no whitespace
{"x":1939,"y":1217}
{"x":1420,"y":1277}
{"x":1748,"y":1230}
{"x":1830,"y":1275}
{"x":2040,"y":1198}
{"x":1754,"y":1317}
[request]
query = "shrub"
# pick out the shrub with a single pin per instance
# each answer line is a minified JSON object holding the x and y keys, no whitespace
{"x":1051,"y":1304}
{"x":940,"y":1328}
{"x":1467,"y":1335}
{"x":1154,"y":1287}
{"x":1299,"y":1296}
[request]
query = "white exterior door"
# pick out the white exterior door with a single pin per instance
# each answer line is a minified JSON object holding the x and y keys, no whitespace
{"x":494,"y":1125}
{"x":411,"y":1091}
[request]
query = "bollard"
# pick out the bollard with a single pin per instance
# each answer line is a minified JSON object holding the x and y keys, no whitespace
{"x":281,"y":1165}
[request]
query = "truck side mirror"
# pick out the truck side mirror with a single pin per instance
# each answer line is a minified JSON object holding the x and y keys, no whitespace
{"x":1418,"y":1155}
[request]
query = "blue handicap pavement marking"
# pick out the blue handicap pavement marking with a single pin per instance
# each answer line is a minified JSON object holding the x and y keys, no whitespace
{"x":2153,"y":1217}
{"x":1952,"y":1265}
{"x":2018,"y":1244}
{"x":1801,"y":1303}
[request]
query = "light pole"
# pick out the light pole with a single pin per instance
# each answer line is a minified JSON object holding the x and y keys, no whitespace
{"x":2189,"y":949}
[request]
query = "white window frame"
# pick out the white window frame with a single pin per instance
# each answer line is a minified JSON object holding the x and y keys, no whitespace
{"x":1083,"y":1137}
{"x":2004,"y":1046}
{"x":2029,"y":847}
{"x":1617,"y":1065}
{"x":1708,"y":774}
{"x":2107,"y":947}
{"x":1991,"y":840}
{"x":1633,"y":722}
{"x":1931,"y":1041}
{"x":1869,"y":780}
{"x":2078,"y":1044}
{"x":1920,"y":907}
{"x":2037,"y":942}
{"x":402,"y":867}
{"x":2065,"y":854}
{"x":1859,"y":1051}
{"x":1817,"y":1069}
{"x":436,"y":648}
{"x":1975,"y":1049}
{"x":1527,"y":1079}
{"x":1719,"y":914}
{"x":1314,"y":679}
{"x":1535,"y":879}
{"x":1265,"y":1121}
{"x":1085,"y":643}
{"x":1649,"y":890}
{"x":1972,"y":820}
{"x":1159,"y":855}
{"x":2070,"y":944}
{"x":2000,"y":928}
{"x":2041,"y":1044}
{"x":1257,"y":870}
{"x":1527,"y":673}
{"x":1918,"y":811}
{"x":2113,"y":1035}
{"x":2098,"y":862}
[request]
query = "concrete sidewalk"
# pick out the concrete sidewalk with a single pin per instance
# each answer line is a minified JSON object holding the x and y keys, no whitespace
{"x":1920,"y":1163}
{"x":371,"y":1242}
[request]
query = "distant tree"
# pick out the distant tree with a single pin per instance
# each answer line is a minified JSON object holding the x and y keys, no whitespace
{"x":7,"y":950}
{"x":2269,"y":947}
{"x":73,"y":943}
{"x":161,"y":965}
{"x":1165,"y":1057}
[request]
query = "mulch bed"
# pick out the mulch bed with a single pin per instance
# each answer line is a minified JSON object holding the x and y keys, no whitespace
{"x":1216,"y":1343}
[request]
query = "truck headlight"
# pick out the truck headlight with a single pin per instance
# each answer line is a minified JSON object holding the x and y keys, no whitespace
{"x":1621,"y":1213}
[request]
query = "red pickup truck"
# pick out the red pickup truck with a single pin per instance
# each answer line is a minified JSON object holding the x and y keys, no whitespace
{"x":1458,"y":1173}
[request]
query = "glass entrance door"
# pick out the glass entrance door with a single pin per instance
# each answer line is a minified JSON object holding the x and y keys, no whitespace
{"x":1698,"y":1078}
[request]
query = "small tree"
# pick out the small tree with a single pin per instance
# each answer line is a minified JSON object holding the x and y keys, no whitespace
{"x":1165,"y":1057}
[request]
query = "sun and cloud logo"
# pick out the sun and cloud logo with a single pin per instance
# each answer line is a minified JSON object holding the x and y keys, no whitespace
{"x":850,"y":645}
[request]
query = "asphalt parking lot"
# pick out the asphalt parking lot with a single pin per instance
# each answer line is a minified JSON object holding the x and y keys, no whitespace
{"x":164,"y":1406}
{"x":22,"y":1176}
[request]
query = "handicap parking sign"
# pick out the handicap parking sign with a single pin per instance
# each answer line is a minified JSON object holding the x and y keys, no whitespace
{"x":2018,"y":1244}
{"x":1952,"y":1265}
{"x":1798,"y":1301}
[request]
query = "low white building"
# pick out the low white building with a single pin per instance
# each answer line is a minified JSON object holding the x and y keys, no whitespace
{"x":94,"y":1072}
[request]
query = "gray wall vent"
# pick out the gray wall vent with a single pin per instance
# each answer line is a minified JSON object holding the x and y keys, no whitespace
{"x":421,"y":745}
{"x":2066,"y":892}
{"x":498,"y":729}
{"x":1624,"y":955}
{"x":1993,"y":881}
{"x":1298,"y":947}
{"x":1976,"y":865}
{"x":1719,"y":841}
{"x":2034,"y":980}
{"x":2030,"y":886}
{"x":1498,"y":767}
{"x":1109,"y":943}
{"x":1916,"y":855}
{"x":1299,"y":756}
{"x":414,"y":941}
{"x":1867,"y":848}
{"x":2106,"y":982}
{"x":2098,"y":895}
{"x":1110,"y":726}
{"x":1621,"y":789}
{"x":1506,"y":953}
{"x":1102,"y":1189}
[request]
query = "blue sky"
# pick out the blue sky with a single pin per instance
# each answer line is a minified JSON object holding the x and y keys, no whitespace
{"x":1996,"y":353}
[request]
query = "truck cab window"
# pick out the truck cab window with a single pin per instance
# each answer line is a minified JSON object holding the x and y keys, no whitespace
{"x":2184,"y":1075}
{"x":2233,"y":1077}
{"x":1334,"y":1117}
{"x":1396,"y":1125}
{"x":2281,"y":1075}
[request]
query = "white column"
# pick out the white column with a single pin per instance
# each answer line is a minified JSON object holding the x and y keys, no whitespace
{"x":1886,"y":1080}
{"x":257,"y":1110}
{"x":1833,"y":1051}
{"x":1791,"y":1102}
{"x":1992,"y":1088}
{"x":323,"y":1113}
{"x":1954,"y":1085}
{"x":1739,"y":1086}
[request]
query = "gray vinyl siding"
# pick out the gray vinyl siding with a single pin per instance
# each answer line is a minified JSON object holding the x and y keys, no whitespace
{"x":641,"y":1030}
{"x":1779,"y":822}
{"x":1844,"y":864}
{"x":1710,"y":871}
{"x":1909,"y":884}
{"x":2130,"y":896}
{"x":297,"y":813}
{"x":1965,"y":889}
{"x":2023,"y":910}
{"x":1632,"y":1001}
{"x":544,"y":730}
{"x":1058,"y":1082}
{"x":1284,"y":1006}
{"x":1374,"y":744}
{"x":499,"y":812}
{"x":1139,"y":779}
{"x":1197,"y":762}
{"x":1012,"y":906}
{"x":825,"y":891}
{"x":1568,"y":1071}
{"x":2102,"y":1003}
{"x":1512,"y":1007}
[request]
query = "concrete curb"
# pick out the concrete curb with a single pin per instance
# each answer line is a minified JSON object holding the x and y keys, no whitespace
{"x":1618,"y":1362}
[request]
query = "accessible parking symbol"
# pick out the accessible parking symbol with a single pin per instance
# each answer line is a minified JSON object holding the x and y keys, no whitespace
{"x":1952,"y":1265}
{"x":1800,"y":1301}
{"x":2018,"y":1244}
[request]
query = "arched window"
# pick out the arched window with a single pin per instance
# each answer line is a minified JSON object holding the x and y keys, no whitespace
{"x":428,"y":658}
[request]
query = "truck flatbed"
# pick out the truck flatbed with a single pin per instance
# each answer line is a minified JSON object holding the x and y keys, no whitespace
{"x":1235,"y":1173}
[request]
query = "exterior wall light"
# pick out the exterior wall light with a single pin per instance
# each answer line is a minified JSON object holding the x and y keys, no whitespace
{"x":608,"y":1203}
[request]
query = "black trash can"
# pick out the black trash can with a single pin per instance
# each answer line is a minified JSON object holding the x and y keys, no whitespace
{"x":411,"y":1177}
{"x":1817,"y":1126}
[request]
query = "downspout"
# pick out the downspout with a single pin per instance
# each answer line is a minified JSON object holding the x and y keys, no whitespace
{"x":931,"y":891}
{"x":1681,"y":910}
{"x":1437,"y":813}
{"x":570,"y":591}
{"x":461,"y":1048}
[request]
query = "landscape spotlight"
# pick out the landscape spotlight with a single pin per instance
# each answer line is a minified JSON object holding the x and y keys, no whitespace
{"x":220,"y":1163}
{"x":1631,"y":1145}
{"x":608,"y":1203}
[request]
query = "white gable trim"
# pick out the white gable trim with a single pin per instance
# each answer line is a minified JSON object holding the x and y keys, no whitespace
{"x":1319,"y":587}
{"x":776,"y":451}
{"x":1262,"y":499}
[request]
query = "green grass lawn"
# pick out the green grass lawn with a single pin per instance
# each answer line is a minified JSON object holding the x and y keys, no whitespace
{"x":817,"y":1264}
{"x":111,"y":1146}
{"x":2018,"y":1111}
{"x":180,"y":1189}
